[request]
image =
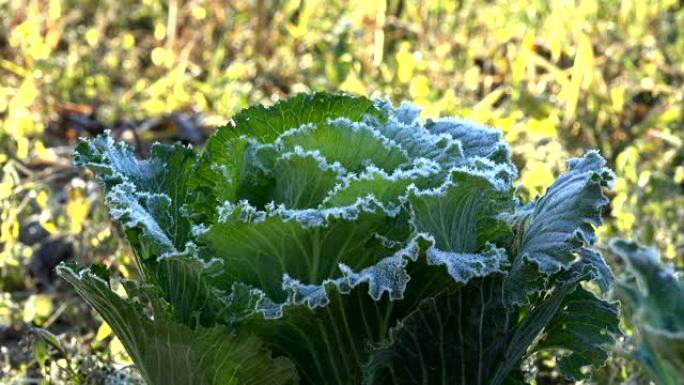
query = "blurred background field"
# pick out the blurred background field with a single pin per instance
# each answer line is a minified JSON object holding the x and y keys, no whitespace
{"x":558,"y":77}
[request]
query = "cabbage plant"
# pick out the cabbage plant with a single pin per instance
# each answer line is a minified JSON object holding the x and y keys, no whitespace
{"x":334,"y":239}
{"x":654,"y":296}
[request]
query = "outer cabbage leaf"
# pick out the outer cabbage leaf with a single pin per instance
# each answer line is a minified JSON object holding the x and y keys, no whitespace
{"x":585,"y":326}
{"x":656,"y":298}
{"x":456,"y":337}
{"x":551,"y":230}
{"x":470,"y":336}
{"x":148,"y":199}
{"x":143,"y":196}
{"x":183,"y":279}
{"x":167,"y":352}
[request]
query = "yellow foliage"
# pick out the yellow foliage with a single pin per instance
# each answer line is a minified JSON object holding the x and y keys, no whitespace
{"x":419,"y":87}
{"x":581,"y":76}
{"x":406,"y":62}
{"x":537,"y":177}
{"x":55,"y":9}
{"x":118,"y":352}
{"x":544,"y":128}
{"x":37,"y":309}
{"x":524,"y":58}
{"x":77,"y":210}
{"x":199,"y":13}
{"x":353,"y":84}
{"x":679,"y":175}
{"x":159,"y":31}
{"x":162,"y":57}
{"x":103,"y":331}
{"x":43,"y":153}
{"x":7,"y":183}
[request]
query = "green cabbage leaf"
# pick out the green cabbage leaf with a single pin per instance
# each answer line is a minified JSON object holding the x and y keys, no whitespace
{"x":654,"y":297}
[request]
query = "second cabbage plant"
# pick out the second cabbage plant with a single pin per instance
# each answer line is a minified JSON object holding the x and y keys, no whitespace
{"x":334,"y":239}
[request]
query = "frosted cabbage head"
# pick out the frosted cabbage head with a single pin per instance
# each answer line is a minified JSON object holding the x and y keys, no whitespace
{"x":350,"y":239}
